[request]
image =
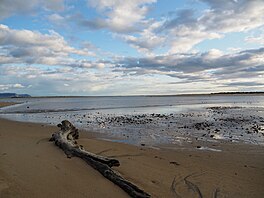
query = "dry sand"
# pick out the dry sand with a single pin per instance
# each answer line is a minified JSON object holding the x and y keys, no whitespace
{"x":31,"y":166}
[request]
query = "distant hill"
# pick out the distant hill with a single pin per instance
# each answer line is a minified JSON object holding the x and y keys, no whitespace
{"x":233,"y":93}
{"x":13,"y":95}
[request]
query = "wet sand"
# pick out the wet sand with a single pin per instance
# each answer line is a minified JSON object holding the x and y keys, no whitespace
{"x":31,"y":166}
{"x":4,"y":104}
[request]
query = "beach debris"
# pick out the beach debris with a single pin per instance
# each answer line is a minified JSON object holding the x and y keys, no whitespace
{"x":175,"y":163}
{"x":201,"y":126}
{"x":66,"y":138}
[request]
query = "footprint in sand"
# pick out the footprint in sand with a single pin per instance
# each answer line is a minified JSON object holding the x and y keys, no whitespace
{"x":183,"y":187}
{"x":3,"y":185}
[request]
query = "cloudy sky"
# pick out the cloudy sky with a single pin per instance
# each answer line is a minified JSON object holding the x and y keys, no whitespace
{"x":131,"y":47}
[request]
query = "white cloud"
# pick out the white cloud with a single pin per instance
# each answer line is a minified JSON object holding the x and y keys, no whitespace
{"x":213,"y":54}
{"x":147,"y":41}
{"x":207,"y":72}
{"x":18,"y":86}
{"x":183,"y":30}
{"x":4,"y":87}
{"x":81,"y":71}
{"x":222,"y":17}
{"x":233,"y":16}
{"x":32,"y":47}
{"x":183,"y":39}
{"x":56,"y":19}
{"x":119,"y":16}
{"x":256,"y":39}
{"x":63,"y":80}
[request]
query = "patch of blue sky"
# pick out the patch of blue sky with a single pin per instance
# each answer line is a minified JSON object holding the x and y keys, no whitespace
{"x":22,"y":22}
{"x":80,"y":57}
{"x":83,"y":8}
{"x":14,"y":64}
{"x":163,"y":7}
{"x":106,"y":41}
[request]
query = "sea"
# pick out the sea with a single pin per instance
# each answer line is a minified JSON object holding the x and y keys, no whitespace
{"x":149,"y":119}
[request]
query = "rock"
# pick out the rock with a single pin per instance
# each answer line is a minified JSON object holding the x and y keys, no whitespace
{"x":175,"y":163}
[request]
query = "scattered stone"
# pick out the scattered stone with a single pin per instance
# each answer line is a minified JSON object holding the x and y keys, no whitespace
{"x":175,"y":163}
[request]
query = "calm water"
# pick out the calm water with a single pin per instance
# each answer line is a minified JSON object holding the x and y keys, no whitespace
{"x":106,"y":114}
{"x":126,"y":105}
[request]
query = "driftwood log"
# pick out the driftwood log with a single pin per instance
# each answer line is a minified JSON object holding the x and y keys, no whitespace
{"x":66,"y":137}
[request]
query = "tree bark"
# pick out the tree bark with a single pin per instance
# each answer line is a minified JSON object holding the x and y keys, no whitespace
{"x":66,"y":137}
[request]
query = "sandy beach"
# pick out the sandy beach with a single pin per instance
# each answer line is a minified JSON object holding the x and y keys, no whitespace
{"x":31,"y":166}
{"x":139,"y":99}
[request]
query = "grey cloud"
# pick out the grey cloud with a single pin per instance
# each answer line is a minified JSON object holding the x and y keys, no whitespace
{"x":230,"y":16}
{"x":257,"y":68}
{"x":234,"y":75}
{"x":9,"y":8}
{"x":183,"y":17}
{"x":56,"y":5}
{"x":221,"y":66}
{"x":146,"y":43}
{"x":17,"y":53}
{"x":99,"y":23}
{"x":244,"y":84}
{"x":187,"y":77}
{"x":93,"y":24}
{"x":224,"y":4}
{"x":186,"y":80}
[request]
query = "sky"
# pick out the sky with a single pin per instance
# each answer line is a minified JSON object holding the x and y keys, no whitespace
{"x":131,"y":47}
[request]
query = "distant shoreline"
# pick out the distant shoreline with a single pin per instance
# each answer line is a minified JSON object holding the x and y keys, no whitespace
{"x":163,"y":95}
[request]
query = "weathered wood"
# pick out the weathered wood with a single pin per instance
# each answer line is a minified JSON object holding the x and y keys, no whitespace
{"x":66,"y":140}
